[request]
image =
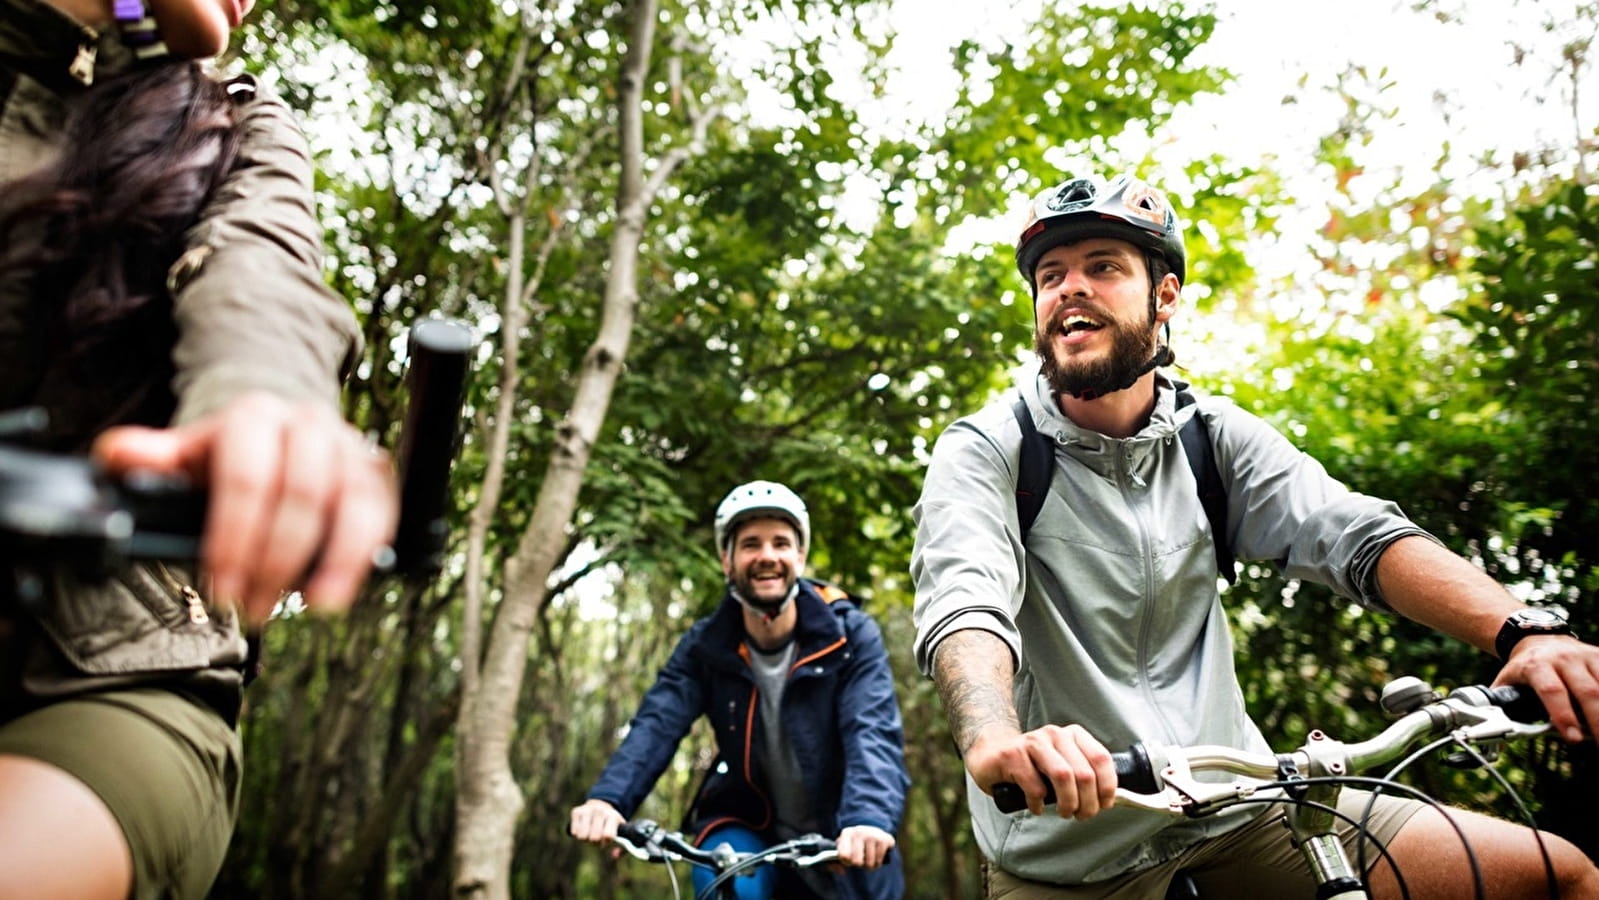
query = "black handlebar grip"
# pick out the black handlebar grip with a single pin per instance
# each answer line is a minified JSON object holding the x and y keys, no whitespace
{"x":1133,"y":772}
{"x":1519,"y":702}
{"x":440,"y":351}
{"x":636,"y":833}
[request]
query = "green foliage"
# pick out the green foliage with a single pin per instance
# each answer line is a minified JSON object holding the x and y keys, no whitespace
{"x":1476,"y":420}
{"x":1084,"y":74}
{"x":775,"y":339}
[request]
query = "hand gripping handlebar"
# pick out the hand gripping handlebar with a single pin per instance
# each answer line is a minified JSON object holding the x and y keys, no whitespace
{"x":1150,"y":776}
{"x":63,"y":508}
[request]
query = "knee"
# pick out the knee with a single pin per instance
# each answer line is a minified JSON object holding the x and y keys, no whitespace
{"x":1574,"y":870}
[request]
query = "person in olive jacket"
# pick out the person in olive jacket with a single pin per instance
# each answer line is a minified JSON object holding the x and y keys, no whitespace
{"x":162,"y":300}
{"x":795,"y":681}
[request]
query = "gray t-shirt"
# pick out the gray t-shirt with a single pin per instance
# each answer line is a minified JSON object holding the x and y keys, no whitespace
{"x":791,"y":804}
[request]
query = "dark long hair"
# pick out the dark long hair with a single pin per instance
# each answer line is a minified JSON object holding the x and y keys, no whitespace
{"x":95,"y":232}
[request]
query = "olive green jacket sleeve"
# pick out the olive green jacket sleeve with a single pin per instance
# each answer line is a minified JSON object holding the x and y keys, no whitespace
{"x":249,"y":300}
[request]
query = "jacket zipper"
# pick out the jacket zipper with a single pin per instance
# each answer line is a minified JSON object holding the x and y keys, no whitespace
{"x":197,"y":613}
{"x":82,"y":67}
{"x":1129,"y":473}
{"x":192,"y":601}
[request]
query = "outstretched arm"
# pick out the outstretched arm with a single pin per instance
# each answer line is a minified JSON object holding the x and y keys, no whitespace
{"x":974,"y":672}
{"x":1426,"y":582}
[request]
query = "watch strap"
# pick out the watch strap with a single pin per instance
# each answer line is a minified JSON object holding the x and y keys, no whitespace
{"x":1514,"y":629}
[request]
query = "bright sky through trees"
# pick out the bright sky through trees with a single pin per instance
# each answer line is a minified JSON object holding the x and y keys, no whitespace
{"x":1449,"y":72}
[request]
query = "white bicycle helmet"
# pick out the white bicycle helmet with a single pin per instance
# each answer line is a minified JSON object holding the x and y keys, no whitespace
{"x":1126,"y":207}
{"x":760,"y":499}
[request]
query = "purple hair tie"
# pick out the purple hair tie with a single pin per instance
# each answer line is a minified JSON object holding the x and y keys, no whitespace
{"x":139,"y":30}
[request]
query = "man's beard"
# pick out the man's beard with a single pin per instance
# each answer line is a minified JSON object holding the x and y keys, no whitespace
{"x":744,"y":586}
{"x":1132,"y":347}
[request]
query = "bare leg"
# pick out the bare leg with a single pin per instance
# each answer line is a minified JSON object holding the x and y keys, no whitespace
{"x":1434,"y":862}
{"x":57,"y":839}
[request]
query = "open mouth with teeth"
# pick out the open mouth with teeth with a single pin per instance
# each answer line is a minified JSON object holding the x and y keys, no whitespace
{"x":1078,"y":323}
{"x":769,"y":578}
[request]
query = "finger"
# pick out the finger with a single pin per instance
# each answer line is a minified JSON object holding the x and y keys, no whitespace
{"x":585,"y":825}
{"x":1084,"y":758}
{"x":1556,"y":701}
{"x":128,"y":447}
{"x":877,"y":850}
{"x":245,"y":465}
{"x":1053,"y":753}
{"x":848,"y":848}
{"x":1104,"y":774}
{"x":1588,"y":696}
{"x":363,"y":513}
{"x":1576,"y":682}
{"x":1046,"y":761}
{"x":295,"y":521}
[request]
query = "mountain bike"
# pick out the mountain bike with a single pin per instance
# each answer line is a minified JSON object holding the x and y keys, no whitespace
{"x":57,"y":508}
{"x":1476,"y":720}
{"x":648,"y":841}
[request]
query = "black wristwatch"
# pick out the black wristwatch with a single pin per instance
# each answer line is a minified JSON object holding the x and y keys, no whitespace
{"x":1534,"y":620}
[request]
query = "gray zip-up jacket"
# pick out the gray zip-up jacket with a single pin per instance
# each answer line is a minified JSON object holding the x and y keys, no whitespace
{"x":1113,"y":610}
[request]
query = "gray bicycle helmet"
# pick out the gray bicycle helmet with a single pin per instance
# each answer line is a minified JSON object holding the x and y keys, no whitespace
{"x":1126,"y":207}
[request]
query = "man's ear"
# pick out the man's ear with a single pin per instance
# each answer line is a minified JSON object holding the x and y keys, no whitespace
{"x":727,"y":565}
{"x":1167,"y":298}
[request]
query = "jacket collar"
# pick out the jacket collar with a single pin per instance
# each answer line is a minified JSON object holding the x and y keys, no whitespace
{"x":48,"y":46}
{"x":1163,"y":419}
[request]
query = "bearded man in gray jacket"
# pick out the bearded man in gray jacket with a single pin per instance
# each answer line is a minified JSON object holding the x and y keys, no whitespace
{"x":1101,"y":623}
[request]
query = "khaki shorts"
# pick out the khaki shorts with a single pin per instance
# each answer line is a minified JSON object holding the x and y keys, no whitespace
{"x":1256,"y":860}
{"x":166,"y":765}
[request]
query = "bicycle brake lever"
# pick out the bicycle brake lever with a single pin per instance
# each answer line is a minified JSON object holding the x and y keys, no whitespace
{"x":812,"y":859}
{"x":1184,"y":794}
{"x":641,"y":840}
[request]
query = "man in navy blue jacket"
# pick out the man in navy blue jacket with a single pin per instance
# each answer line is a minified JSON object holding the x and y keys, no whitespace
{"x":795,"y":681}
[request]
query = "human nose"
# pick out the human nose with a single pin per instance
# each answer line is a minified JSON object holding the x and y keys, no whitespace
{"x":1073,"y":283}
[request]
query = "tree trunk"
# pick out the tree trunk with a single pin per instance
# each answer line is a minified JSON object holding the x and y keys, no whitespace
{"x":488,"y":798}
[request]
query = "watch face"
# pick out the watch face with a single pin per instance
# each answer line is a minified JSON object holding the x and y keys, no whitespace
{"x":1539,"y":618}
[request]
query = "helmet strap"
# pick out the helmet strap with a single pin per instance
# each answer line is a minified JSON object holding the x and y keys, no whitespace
{"x":765,"y":611}
{"x":139,"y":30}
{"x":1163,"y":357}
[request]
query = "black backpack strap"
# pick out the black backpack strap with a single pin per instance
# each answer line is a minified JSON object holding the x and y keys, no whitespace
{"x":1032,"y":468}
{"x":1212,"y":496}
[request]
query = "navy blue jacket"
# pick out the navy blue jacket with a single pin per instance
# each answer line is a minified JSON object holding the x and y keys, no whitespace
{"x":839,"y":710}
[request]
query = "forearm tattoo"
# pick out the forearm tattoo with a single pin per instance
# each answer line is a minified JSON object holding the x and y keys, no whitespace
{"x":973,"y":671}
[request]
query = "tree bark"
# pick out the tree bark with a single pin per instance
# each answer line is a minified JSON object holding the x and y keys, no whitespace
{"x":488,"y":798}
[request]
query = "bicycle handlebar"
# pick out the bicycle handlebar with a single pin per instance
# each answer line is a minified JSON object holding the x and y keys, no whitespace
{"x":64,"y":508}
{"x":440,"y":352}
{"x":648,"y":841}
{"x":1158,"y":778}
